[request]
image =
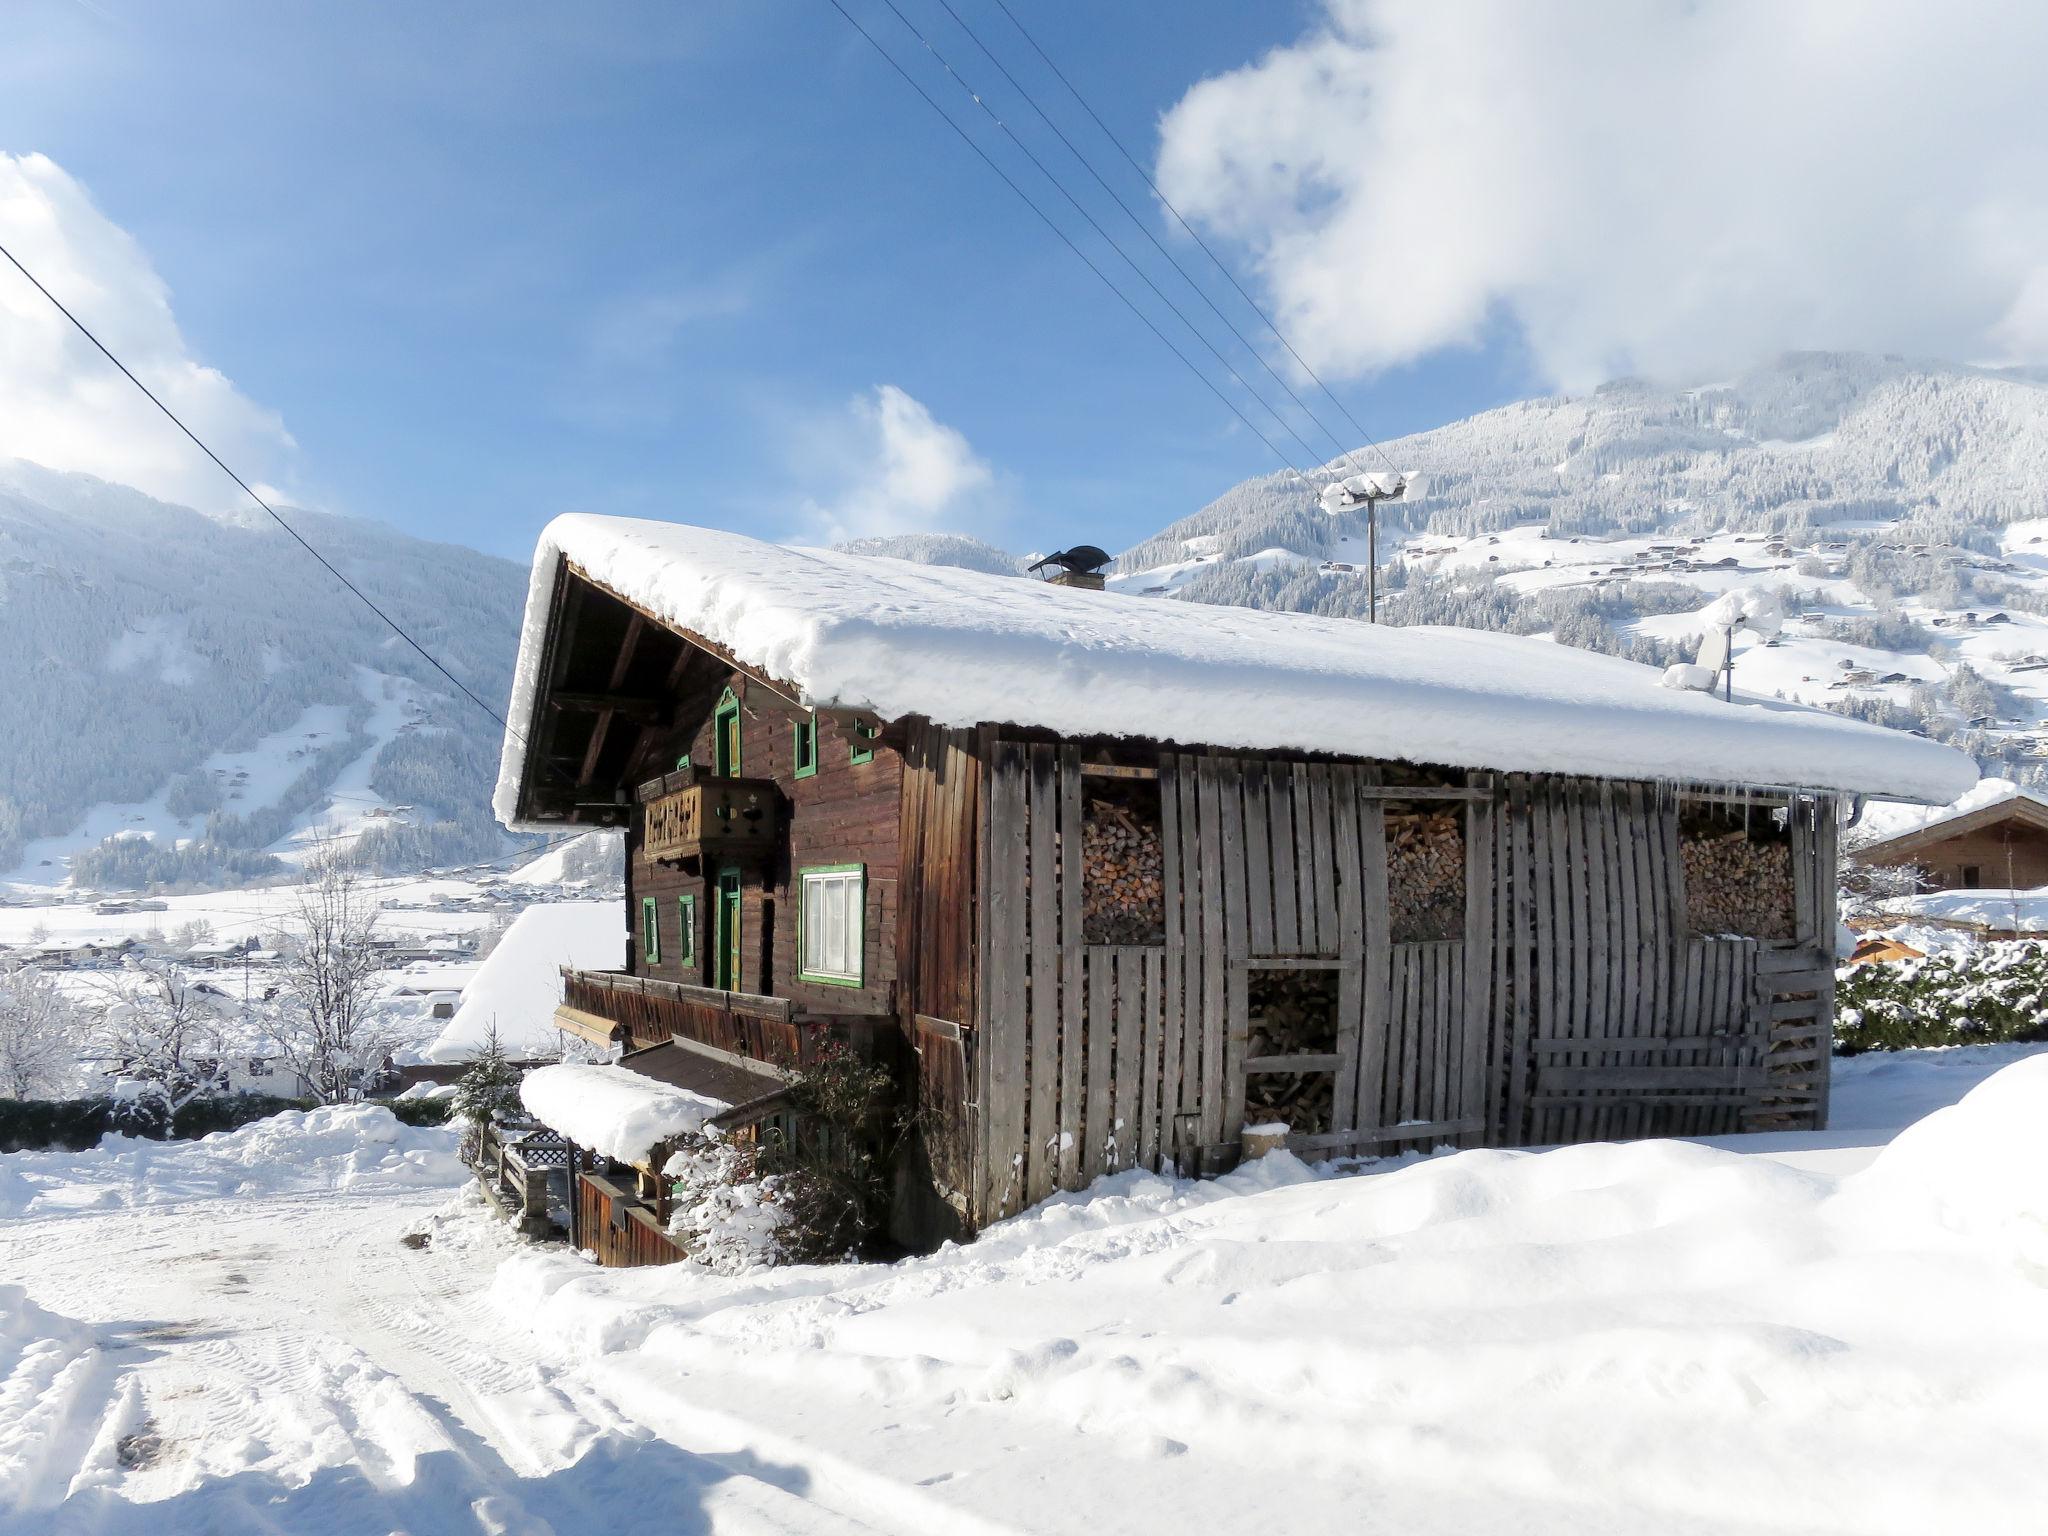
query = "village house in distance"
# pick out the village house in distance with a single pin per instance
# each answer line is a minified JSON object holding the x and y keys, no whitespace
{"x":1999,"y":845}
{"x":1119,"y":881}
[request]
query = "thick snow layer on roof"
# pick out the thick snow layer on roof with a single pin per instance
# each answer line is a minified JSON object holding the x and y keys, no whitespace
{"x":963,"y":648}
{"x":613,"y":1110}
{"x":1882,"y":823}
{"x":519,"y":985}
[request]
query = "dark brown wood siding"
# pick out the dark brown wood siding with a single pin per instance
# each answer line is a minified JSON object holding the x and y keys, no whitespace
{"x":845,"y":813}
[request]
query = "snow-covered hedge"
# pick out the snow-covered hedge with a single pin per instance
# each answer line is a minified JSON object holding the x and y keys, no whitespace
{"x":1974,"y":996}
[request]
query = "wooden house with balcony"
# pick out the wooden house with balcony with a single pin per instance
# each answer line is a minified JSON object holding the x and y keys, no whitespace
{"x":1111,"y":880}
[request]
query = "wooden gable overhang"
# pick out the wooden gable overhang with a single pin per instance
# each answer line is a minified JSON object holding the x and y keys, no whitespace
{"x":614,"y":676}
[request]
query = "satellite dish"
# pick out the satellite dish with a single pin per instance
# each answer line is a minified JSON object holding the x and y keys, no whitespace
{"x":1714,"y":649}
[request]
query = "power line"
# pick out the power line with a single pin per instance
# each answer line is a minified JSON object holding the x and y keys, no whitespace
{"x":1108,"y":239}
{"x":1064,"y":238}
{"x":363,"y":597}
{"x":1144,"y":228}
{"x":1165,"y":202}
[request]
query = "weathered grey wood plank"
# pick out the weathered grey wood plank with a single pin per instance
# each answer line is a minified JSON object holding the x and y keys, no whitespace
{"x":1132,"y":1010}
{"x":1100,"y":968}
{"x":1305,"y":874}
{"x":1475,"y":1023}
{"x":1230,"y":785}
{"x":1258,"y":839}
{"x":1827,"y":847}
{"x":1521,"y":926}
{"x":1005,"y":1044}
{"x":1073,"y":998}
{"x":1215,"y":961}
{"x":1544,"y":938}
{"x":1042,"y":1118}
{"x":1375,"y":1061}
{"x":1350,"y":941}
{"x":1286,"y":890}
{"x":1165,"y":1098}
{"x":1197,"y":864}
{"x":1323,"y":860}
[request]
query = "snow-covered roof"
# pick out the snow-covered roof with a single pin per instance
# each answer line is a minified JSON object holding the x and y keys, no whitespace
{"x":519,"y":985}
{"x":613,"y":1110}
{"x":1885,"y":825}
{"x":965,"y":648}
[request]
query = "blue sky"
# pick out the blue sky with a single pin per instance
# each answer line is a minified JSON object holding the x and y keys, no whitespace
{"x":491,"y":263}
{"x":463,"y":266}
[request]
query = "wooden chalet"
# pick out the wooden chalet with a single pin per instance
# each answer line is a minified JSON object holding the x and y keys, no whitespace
{"x":1999,"y":845}
{"x":1111,"y":880}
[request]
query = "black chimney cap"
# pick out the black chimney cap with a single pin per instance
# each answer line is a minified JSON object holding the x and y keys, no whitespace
{"x":1082,"y":557}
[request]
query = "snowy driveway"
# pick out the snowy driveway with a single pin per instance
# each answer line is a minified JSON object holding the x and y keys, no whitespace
{"x":230,"y":1336}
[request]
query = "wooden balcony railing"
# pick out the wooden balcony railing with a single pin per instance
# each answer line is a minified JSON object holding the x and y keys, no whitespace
{"x":764,"y":1028}
{"x":719,"y":820}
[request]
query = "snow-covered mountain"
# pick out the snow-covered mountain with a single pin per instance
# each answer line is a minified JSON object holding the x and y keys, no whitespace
{"x":1899,"y":507}
{"x":193,"y":697}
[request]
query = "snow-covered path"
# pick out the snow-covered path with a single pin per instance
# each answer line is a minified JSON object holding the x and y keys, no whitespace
{"x":233,"y":1336}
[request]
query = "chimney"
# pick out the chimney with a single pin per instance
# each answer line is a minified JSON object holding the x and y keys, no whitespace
{"x":1079,"y":567}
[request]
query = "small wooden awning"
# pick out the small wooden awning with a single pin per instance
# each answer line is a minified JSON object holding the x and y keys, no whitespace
{"x":752,"y":1088}
{"x":595,"y":1028}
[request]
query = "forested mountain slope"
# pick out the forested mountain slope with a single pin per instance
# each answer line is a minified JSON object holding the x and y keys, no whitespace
{"x":195,"y":694}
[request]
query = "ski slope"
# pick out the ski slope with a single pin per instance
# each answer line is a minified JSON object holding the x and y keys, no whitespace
{"x":1833,"y":1334}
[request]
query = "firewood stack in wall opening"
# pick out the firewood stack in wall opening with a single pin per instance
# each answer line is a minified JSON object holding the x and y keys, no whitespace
{"x":1738,"y":880}
{"x":1291,"y":1013}
{"x":1425,"y":875}
{"x":1124,"y":866}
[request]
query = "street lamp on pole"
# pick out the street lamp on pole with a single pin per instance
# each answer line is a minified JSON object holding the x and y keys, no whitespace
{"x":1367,"y":491}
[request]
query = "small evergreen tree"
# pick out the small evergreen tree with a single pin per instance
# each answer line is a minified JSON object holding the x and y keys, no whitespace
{"x":488,"y":1090}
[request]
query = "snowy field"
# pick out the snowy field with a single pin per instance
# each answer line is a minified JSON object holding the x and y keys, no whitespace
{"x":1811,"y":1334}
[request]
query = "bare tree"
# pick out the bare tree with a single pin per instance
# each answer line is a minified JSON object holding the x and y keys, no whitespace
{"x":327,"y":1025}
{"x":158,"y":1028}
{"x":41,"y":1032}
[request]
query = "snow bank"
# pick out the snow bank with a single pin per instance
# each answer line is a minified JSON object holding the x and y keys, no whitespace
{"x":519,"y":985}
{"x":613,"y":1110}
{"x":1611,"y":1338}
{"x":1978,"y":1167}
{"x":962,"y":648}
{"x":341,"y":1148}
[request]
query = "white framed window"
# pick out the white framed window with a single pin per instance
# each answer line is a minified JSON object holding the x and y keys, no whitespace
{"x":829,"y":924}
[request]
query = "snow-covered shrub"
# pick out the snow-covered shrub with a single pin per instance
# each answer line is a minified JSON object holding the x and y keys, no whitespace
{"x":814,"y":1189}
{"x":1975,"y":996}
{"x":728,"y":1214}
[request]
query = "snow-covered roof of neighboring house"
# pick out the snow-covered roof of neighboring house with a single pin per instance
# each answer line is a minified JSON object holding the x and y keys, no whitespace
{"x":519,"y":985}
{"x":613,"y":1110}
{"x":965,"y":648}
{"x":1892,"y":830}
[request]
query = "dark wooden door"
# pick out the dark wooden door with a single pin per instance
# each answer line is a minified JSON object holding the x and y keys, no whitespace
{"x":726,"y":953}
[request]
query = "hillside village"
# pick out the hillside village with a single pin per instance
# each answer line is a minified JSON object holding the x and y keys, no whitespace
{"x":690,"y":842}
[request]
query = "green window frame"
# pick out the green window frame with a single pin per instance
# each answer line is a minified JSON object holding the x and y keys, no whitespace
{"x":683,"y":763}
{"x":803,"y":748}
{"x":831,"y":945}
{"x":650,"y":931}
{"x":725,"y":739}
{"x":863,"y":738}
{"x":686,"y":915}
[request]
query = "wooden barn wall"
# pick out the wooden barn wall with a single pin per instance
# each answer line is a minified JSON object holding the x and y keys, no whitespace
{"x":845,"y":813}
{"x":1620,"y":1021}
{"x":1576,"y":1005}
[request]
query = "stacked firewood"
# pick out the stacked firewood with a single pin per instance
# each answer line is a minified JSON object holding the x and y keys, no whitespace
{"x":1292,"y":1014}
{"x":1425,"y":875}
{"x":1124,"y":887}
{"x":1737,"y":885}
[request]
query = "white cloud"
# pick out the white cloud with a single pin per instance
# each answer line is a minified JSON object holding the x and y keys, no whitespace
{"x":899,"y":470}
{"x":62,"y":404}
{"x":1670,"y":186}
